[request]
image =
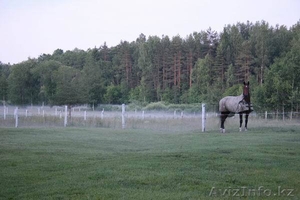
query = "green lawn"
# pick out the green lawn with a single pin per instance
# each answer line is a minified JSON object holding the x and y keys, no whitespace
{"x":102,"y":163}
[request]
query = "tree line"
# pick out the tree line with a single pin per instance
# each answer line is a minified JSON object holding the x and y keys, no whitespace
{"x":202,"y":67}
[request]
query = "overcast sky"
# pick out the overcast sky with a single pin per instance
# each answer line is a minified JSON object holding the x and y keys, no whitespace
{"x":29,"y":28}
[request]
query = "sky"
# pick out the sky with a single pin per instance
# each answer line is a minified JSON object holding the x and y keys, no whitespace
{"x":29,"y":28}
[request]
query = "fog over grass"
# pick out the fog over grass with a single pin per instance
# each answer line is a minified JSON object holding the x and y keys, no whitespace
{"x":106,"y":163}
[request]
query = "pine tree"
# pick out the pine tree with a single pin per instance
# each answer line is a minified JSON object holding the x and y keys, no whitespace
{"x":244,"y":62}
{"x":260,"y":38}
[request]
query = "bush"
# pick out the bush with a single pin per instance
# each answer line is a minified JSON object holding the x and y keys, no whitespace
{"x":109,"y":107}
{"x":136,"y":105}
{"x":172,"y":107}
{"x":156,"y":106}
{"x":186,"y":107}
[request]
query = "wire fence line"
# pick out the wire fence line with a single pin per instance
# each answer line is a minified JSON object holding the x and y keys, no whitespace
{"x":113,"y":117}
{"x":78,"y":111}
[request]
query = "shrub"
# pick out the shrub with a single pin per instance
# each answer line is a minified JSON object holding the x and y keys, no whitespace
{"x":156,"y":106}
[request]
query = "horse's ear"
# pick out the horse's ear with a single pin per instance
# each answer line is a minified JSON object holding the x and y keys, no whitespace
{"x":244,"y":83}
{"x":248,"y":83}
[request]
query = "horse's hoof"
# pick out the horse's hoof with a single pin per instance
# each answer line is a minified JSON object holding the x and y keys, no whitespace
{"x":246,"y":129}
{"x":222,"y":130}
{"x":241,"y":129}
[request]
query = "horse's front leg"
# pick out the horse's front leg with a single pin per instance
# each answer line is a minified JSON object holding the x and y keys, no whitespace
{"x":246,"y":120}
{"x":241,"y":121}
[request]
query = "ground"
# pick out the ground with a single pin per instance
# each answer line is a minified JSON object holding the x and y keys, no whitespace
{"x":107,"y":163}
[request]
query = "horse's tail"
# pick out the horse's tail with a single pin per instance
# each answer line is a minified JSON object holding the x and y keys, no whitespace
{"x":231,"y":114}
{"x":217,"y":111}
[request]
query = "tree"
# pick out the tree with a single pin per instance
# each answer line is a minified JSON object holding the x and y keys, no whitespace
{"x":57,"y":54}
{"x":75,"y":58}
{"x":4,"y":73}
{"x":190,"y":47}
{"x":234,"y":43}
{"x":3,"y":87}
{"x":191,"y":69}
{"x":230,"y":76}
{"x":212,"y":39}
{"x":23,"y":87}
{"x":104,"y":52}
{"x":202,"y":80}
{"x":222,"y":59}
{"x":260,"y":39}
{"x":245,"y":29}
{"x":282,"y":81}
{"x":244,"y":62}
{"x":95,"y":73}
{"x":70,"y":87}
{"x":156,"y":71}
{"x":44,"y":71}
{"x":166,"y":64}
{"x":126,"y":62}
{"x":177,"y":66}
{"x":113,"y":94}
{"x":280,"y":42}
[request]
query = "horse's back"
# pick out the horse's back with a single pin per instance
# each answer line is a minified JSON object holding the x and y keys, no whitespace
{"x":229,"y":104}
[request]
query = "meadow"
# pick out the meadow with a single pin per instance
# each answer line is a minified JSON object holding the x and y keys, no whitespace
{"x":157,"y":163}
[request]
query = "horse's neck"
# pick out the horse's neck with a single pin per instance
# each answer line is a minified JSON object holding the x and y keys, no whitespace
{"x":241,"y":97}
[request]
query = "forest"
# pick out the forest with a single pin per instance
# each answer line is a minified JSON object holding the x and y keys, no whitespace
{"x":201,"y":67}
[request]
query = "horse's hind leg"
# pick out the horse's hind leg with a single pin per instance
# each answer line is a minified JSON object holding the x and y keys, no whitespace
{"x":223,"y":117}
{"x":241,"y":121}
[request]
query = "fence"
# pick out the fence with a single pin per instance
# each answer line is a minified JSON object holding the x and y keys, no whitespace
{"x":206,"y":118}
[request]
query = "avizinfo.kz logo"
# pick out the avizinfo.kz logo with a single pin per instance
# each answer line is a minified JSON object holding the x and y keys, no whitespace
{"x":260,"y":191}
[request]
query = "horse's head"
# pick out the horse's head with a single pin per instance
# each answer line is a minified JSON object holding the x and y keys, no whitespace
{"x":246,"y":92}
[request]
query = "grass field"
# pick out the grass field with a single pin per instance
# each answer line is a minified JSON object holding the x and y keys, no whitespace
{"x":103,"y":163}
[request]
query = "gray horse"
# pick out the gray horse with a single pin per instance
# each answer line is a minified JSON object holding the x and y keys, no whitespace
{"x":230,"y":105}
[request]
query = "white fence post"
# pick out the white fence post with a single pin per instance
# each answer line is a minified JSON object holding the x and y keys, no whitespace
{"x":203,"y":117}
{"x":17,"y":117}
{"x":266,"y":115}
{"x":84,"y":115}
{"x":282,"y":112}
{"x":102,"y":113}
{"x":26,"y":113}
{"x":123,"y":115}
{"x":143,"y":115}
{"x":66,"y":116}
{"x":4,"y":112}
